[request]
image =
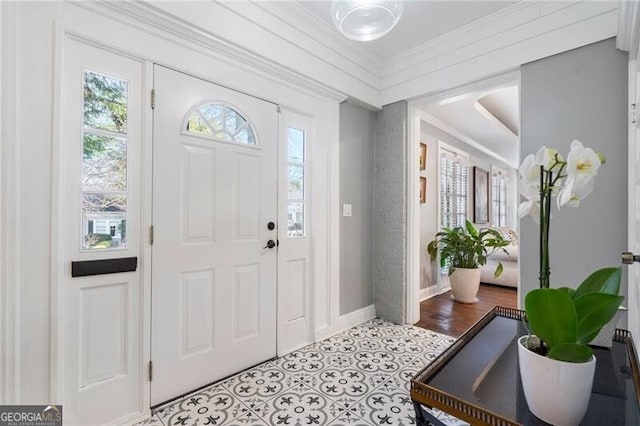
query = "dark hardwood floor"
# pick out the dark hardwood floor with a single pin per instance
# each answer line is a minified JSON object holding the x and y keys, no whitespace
{"x":445,"y":316}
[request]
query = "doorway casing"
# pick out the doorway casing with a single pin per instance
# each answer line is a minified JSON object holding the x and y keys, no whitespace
{"x":416,"y":117}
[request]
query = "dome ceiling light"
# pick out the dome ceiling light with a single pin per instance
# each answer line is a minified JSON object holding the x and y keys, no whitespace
{"x":366,"y":20}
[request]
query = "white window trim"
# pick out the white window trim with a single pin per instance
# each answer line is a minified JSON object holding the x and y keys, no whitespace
{"x":442,"y":146}
{"x":233,"y":108}
{"x":443,"y":280}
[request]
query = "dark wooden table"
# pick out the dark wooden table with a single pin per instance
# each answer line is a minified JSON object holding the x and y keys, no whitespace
{"x":477,"y":379}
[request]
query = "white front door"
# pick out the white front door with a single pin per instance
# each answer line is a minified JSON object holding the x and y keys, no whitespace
{"x":214,"y":195}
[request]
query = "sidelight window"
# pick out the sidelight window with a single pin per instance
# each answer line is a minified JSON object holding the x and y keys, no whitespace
{"x":296,"y":174}
{"x":104,"y":162}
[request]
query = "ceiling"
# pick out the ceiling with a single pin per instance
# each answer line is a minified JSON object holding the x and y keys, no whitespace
{"x":488,"y":116}
{"x":421,"y":22}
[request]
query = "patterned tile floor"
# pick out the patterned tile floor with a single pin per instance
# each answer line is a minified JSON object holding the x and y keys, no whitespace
{"x":358,"y":377}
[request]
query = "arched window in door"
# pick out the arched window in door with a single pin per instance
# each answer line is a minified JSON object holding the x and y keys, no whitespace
{"x":220,"y":121}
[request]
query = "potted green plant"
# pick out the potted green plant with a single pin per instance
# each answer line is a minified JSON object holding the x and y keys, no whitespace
{"x":556,"y":364}
{"x":466,"y":250}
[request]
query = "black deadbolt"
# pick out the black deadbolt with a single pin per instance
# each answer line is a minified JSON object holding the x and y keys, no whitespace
{"x":271,"y":226}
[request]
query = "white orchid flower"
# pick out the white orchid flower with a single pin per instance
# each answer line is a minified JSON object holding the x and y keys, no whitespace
{"x":529,"y":176}
{"x":546,"y":157}
{"x":577,"y":189}
{"x":530,"y":208}
{"x":529,"y":191}
{"x":582,"y":161}
{"x":529,"y":170}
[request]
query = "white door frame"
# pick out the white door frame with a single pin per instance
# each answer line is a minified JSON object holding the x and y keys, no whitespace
{"x":191,"y":58}
{"x":633,"y":271}
{"x":9,"y":207}
{"x":415,"y":117}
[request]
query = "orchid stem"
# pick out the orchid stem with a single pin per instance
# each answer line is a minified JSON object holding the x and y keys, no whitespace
{"x":546,"y":187}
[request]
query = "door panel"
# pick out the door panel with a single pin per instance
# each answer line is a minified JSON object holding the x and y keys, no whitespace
{"x":295,"y":224}
{"x":215,"y":190}
{"x":103,"y":332}
{"x":198,"y":165}
{"x":101,"y":137}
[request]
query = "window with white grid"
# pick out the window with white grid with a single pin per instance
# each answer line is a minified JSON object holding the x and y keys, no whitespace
{"x":499,"y":191}
{"x":454,"y":187}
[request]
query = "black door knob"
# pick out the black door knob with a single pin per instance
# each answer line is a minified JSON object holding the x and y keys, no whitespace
{"x":270,"y":244}
{"x":271,"y":226}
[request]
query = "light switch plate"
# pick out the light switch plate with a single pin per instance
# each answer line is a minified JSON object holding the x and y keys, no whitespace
{"x":346,"y":210}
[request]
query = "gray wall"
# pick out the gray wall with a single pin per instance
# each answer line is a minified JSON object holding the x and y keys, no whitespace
{"x":430,"y":135}
{"x":357,"y":127}
{"x":580,"y":94}
{"x":390,"y":212}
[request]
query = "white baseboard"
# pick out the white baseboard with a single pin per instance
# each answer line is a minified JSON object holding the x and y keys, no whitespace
{"x":428,"y":292}
{"x":431,"y":291}
{"x":445,"y":289}
{"x":347,"y":321}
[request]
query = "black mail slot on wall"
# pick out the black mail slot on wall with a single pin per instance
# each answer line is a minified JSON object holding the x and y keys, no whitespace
{"x":107,"y":266}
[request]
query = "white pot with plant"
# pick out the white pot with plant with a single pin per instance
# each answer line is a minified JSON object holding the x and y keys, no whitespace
{"x":466,"y":249}
{"x":556,"y":364}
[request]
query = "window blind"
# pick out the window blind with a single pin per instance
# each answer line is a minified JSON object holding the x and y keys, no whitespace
{"x":499,"y":189}
{"x":454,"y":186}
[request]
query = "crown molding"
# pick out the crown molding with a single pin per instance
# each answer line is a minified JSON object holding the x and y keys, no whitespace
{"x":163,"y":22}
{"x":504,"y":28}
{"x":504,"y":40}
{"x":290,"y":42}
{"x":463,"y":137}
{"x":324,"y":33}
{"x":467,"y":34}
{"x":309,"y":35}
{"x":628,"y":37}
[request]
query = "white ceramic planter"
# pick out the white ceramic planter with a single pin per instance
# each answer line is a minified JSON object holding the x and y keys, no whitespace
{"x":464,"y":284}
{"x":557,"y":392}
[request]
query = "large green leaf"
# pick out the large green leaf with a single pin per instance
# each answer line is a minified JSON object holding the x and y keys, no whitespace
{"x":499,"y":270}
{"x":567,"y":290}
{"x":571,"y":352}
{"x":471,"y":229}
{"x":465,"y":247}
{"x":605,"y":280}
{"x":551,"y":315}
{"x":594,"y":311}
